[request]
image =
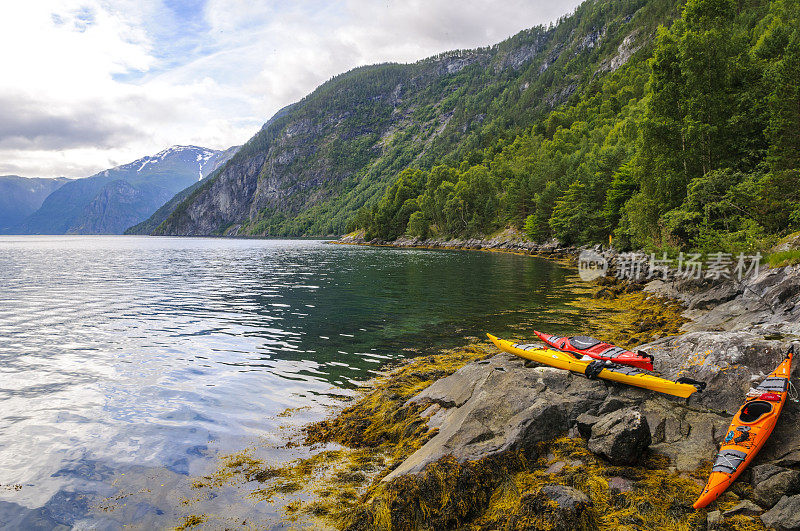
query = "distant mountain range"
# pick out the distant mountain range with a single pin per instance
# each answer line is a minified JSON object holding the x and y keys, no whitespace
{"x":148,"y":225}
{"x":113,"y":200}
{"x":21,"y":196}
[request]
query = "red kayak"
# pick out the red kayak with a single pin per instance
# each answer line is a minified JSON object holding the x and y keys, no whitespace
{"x":588,"y":346}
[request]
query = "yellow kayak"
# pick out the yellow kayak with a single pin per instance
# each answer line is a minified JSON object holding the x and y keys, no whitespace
{"x":612,"y":372}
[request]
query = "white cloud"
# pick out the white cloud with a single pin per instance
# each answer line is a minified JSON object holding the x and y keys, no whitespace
{"x":88,"y":84}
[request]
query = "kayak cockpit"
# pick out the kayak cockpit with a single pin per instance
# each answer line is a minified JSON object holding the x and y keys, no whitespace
{"x":754,"y":411}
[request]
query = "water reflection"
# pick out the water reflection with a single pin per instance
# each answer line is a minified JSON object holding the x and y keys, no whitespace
{"x":124,"y":354}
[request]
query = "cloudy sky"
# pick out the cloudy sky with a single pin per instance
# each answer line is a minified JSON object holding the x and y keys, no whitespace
{"x":87,"y":85}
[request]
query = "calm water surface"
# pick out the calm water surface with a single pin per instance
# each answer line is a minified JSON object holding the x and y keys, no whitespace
{"x":142,"y":358}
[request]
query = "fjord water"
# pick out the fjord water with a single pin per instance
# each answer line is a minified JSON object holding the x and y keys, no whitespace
{"x":127,"y":354}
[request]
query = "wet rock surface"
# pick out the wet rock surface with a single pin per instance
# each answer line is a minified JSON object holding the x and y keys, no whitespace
{"x":495,"y":405}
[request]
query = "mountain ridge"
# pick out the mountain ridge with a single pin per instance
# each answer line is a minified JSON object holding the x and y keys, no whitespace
{"x":22,"y":196}
{"x":112,"y":200}
{"x":155,"y":219}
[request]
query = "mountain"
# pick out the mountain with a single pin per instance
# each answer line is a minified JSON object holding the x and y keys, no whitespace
{"x":115,"y":199}
{"x":149,"y":225}
{"x":317,"y":162}
{"x":671,"y":125}
{"x":685,"y":140}
{"x":21,"y":196}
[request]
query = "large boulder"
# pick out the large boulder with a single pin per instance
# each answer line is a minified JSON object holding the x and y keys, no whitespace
{"x":771,"y":483}
{"x":785,"y":515}
{"x":488,"y":407}
{"x":622,"y":436}
{"x":688,"y":436}
{"x":584,"y":424}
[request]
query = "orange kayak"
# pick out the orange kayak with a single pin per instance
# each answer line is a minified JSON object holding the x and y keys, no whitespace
{"x":749,"y":430}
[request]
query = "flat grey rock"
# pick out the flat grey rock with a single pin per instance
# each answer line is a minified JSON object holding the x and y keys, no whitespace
{"x":497,"y":405}
{"x":744,"y":507}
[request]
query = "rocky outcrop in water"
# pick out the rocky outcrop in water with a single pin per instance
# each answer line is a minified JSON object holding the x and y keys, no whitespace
{"x":508,"y":240}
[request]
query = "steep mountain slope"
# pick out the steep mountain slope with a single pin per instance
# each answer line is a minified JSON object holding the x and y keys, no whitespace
{"x":114,"y":199}
{"x":315,"y":163}
{"x":21,"y":196}
{"x":692,"y":144}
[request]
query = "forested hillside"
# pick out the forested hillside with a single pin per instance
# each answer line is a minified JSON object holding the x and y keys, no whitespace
{"x":693,"y":143}
{"x":318,"y":162}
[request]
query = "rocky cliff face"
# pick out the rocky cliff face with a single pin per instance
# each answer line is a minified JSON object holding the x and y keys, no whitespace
{"x":167,"y":208}
{"x":317,"y":161}
{"x":118,"y":204}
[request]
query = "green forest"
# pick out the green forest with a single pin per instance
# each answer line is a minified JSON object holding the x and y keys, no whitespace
{"x":694,"y":143}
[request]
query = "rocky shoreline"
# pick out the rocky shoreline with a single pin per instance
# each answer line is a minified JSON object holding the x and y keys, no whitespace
{"x":495,"y":408}
{"x":474,"y":438}
{"x":509,"y":240}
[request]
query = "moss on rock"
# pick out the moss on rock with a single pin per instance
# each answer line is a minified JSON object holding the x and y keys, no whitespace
{"x":381,"y":418}
{"x":344,"y":486}
{"x":510,"y":492}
